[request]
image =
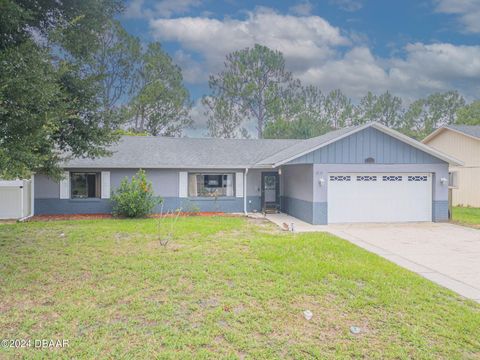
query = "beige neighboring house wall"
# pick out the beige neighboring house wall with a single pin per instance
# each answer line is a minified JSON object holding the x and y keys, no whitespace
{"x":467,"y":149}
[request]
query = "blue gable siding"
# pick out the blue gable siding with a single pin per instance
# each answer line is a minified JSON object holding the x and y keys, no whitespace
{"x":369,"y":142}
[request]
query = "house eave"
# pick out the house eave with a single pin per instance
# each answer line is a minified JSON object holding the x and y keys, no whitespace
{"x":182,"y":167}
{"x":445,"y":128}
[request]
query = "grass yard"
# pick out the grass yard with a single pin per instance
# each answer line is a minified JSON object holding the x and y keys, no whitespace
{"x":466,"y":215}
{"x":222,"y":288}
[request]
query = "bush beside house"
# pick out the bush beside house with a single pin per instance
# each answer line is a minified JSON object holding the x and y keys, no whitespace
{"x":134,"y":198}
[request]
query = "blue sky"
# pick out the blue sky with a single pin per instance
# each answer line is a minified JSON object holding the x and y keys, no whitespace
{"x":411,"y":48}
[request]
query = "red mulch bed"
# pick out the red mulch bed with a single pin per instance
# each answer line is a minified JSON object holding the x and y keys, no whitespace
{"x":109,"y":216}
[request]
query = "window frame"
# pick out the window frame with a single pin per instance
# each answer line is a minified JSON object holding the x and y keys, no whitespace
{"x":98,"y":185}
{"x":203,"y":196}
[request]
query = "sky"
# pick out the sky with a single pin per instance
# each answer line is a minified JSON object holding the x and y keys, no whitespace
{"x":411,"y":48}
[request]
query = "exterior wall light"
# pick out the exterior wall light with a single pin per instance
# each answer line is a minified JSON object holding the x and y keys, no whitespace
{"x":321,"y":181}
{"x":443,"y":181}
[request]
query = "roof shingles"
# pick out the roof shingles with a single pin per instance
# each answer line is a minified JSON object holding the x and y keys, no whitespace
{"x":190,"y":153}
{"x":164,"y":152}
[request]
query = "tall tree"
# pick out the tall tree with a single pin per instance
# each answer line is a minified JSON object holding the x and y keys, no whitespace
{"x":338,"y":109}
{"x":223,"y":119}
{"x":425,"y":115}
{"x":115,"y":62}
{"x":252,"y":80}
{"x":386,"y":109}
{"x":161,"y":103}
{"x":48,"y":98}
{"x":469,"y":114}
{"x":299,"y":115}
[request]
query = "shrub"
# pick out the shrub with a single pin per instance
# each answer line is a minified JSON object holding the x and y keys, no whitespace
{"x":134,"y":198}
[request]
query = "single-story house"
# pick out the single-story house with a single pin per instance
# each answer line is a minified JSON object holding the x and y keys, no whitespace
{"x":366,"y":173}
{"x":463,"y":143}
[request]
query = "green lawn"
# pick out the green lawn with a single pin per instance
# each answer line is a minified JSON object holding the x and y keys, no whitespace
{"x":466,"y":215}
{"x":222,"y":288}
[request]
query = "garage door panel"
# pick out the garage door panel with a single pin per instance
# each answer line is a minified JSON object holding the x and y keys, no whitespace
{"x":373,"y":197}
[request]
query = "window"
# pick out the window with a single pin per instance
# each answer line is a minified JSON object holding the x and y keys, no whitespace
{"x":339,"y":178}
{"x":392,"y":178}
{"x":85,"y":185}
{"x":417,"y":178}
{"x":210,"y":185}
{"x":370,"y":160}
{"x":366,"y":178}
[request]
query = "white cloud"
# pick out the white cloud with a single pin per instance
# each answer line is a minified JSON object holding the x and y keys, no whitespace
{"x":199,"y":128}
{"x":302,"y":9}
{"x":426,"y":68}
{"x":302,"y":40}
{"x":193,"y":71}
{"x":137,"y":9}
{"x":321,"y":54}
{"x":468,"y":12}
{"x":348,"y":5}
{"x":355,"y":73}
{"x":134,"y":10}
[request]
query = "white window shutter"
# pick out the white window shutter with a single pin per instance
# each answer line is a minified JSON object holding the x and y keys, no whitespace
{"x":65,"y":186}
{"x":183,"y":184}
{"x":239,"y":184}
{"x":105,"y":191}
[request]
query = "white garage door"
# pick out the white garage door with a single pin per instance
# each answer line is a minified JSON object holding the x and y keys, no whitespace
{"x":376,"y":197}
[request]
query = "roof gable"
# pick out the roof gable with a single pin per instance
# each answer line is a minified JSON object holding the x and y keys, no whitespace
{"x":368,"y":143}
{"x":472,"y":131}
{"x":311,"y":145}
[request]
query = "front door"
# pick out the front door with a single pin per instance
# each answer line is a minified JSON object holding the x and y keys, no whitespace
{"x":270,"y":191}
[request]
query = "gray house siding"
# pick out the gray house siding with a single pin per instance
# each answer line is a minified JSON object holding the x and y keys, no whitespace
{"x":297,"y":191}
{"x":165,"y":183}
{"x":348,"y":155}
{"x":364,"y":144}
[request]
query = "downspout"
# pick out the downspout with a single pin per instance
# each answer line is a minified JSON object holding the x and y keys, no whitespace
{"x":22,"y":188}
{"x":32,"y":194}
{"x":245,"y":192}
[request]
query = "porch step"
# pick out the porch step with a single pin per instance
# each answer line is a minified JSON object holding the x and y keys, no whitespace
{"x":271,"y":211}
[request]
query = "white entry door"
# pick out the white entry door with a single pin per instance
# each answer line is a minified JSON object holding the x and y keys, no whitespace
{"x":378,"y":197}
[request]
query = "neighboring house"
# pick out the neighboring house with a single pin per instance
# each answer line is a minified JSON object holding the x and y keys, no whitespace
{"x":367,"y":173}
{"x":463,"y":143}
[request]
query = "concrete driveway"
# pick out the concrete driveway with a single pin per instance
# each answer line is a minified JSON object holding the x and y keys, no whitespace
{"x":446,"y":254}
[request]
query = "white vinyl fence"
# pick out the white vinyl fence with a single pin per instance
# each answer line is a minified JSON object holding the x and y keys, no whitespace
{"x":16,"y":199}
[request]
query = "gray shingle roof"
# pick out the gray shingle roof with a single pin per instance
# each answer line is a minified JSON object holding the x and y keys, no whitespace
{"x":472,"y":130}
{"x":164,"y":152}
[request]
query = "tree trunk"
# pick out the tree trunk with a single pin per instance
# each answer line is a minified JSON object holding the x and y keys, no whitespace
{"x":142,"y":120}
{"x":260,"y":122}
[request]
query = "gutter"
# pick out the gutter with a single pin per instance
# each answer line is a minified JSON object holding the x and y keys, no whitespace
{"x":245,"y":192}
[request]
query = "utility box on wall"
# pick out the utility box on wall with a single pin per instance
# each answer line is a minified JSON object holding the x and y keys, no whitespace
{"x":16,"y":199}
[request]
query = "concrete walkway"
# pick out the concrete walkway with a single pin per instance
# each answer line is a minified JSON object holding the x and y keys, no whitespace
{"x":446,"y":254}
